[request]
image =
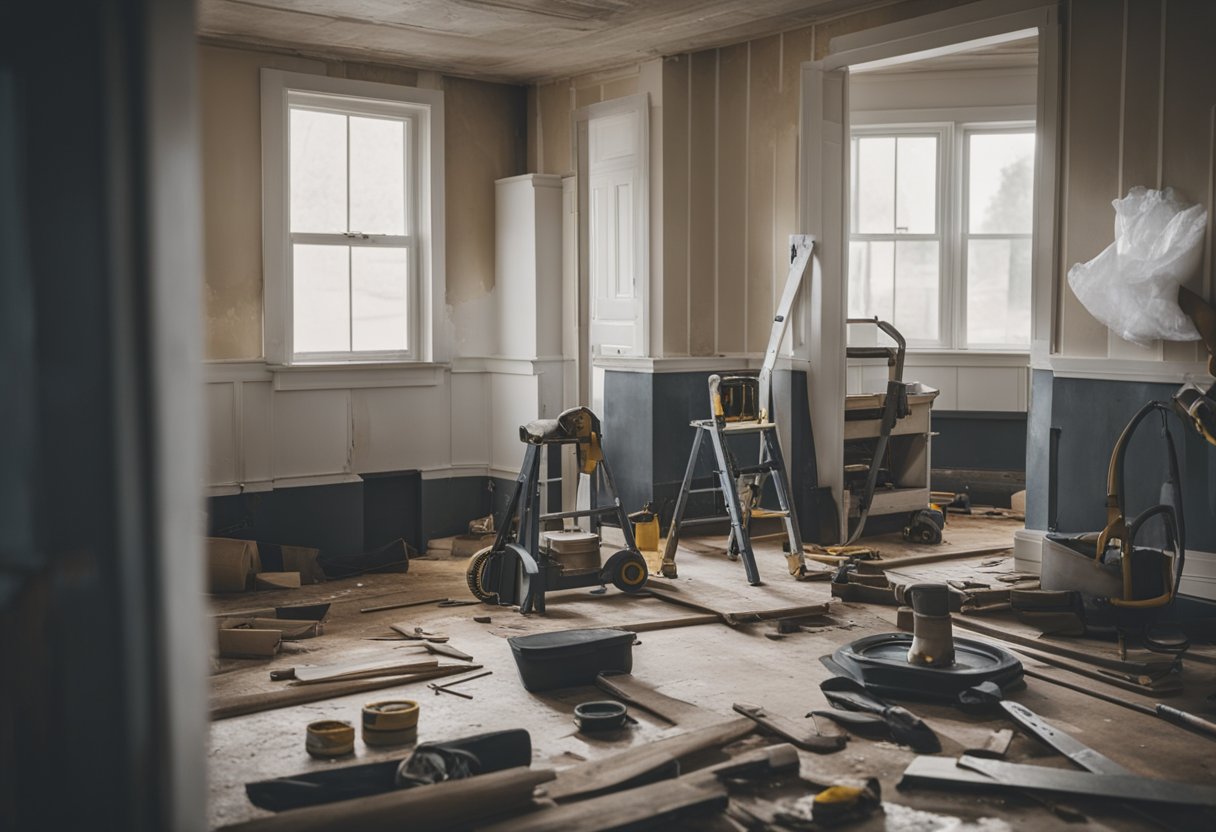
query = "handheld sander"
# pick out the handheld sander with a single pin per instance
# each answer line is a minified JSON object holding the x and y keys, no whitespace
{"x":930,"y":663}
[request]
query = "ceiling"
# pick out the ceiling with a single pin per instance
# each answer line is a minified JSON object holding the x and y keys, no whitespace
{"x":1013,"y":54}
{"x":507,"y":40}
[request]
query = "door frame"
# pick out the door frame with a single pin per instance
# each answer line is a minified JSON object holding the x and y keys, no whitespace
{"x":639,"y":104}
{"x":823,"y":193}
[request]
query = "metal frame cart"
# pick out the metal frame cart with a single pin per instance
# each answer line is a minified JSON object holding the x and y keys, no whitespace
{"x":516,"y":568}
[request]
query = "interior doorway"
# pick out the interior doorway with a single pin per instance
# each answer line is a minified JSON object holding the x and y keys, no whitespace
{"x":829,"y":183}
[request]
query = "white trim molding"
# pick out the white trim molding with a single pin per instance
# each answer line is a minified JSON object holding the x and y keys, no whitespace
{"x":423,"y":111}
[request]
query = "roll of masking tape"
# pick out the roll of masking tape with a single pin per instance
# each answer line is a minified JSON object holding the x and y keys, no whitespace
{"x":330,"y":738}
{"x":391,"y":722}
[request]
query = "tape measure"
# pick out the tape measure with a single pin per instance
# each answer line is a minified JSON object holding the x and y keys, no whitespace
{"x":390,"y":722}
{"x":330,"y":738}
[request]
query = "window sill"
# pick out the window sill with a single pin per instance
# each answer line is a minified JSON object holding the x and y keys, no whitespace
{"x":348,"y":376}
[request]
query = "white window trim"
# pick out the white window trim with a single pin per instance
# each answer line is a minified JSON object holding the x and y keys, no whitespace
{"x":952,"y":126}
{"x":426,"y":110}
{"x":943,"y":133}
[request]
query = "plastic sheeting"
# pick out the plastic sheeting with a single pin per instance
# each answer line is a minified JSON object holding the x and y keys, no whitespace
{"x":1132,"y":286}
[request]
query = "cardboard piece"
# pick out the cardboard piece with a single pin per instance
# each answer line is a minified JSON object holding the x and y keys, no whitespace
{"x":231,"y":564}
{"x":249,"y":643}
{"x":276,"y":580}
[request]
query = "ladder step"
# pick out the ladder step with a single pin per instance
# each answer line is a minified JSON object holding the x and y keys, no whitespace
{"x":767,"y":512}
{"x":762,"y":468}
{"x":705,"y":521}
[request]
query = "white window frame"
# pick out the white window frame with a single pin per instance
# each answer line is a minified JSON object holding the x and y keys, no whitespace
{"x":422,"y":109}
{"x":952,"y":206}
{"x":944,"y":135}
{"x":963,"y":234}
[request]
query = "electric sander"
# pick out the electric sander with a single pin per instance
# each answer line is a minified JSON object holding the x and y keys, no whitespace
{"x":930,"y":663}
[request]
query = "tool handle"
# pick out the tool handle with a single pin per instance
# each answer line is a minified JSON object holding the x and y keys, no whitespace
{"x":1187,"y":720}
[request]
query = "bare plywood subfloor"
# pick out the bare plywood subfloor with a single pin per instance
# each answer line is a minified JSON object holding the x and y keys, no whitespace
{"x":712,"y":666}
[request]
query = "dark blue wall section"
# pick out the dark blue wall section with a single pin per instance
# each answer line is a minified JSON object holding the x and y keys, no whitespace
{"x":345,"y":518}
{"x":978,"y":440}
{"x":1091,"y":414}
{"x":647,"y":438}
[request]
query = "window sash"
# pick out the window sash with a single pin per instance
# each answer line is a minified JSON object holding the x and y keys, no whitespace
{"x":361,"y":108}
{"x":964,"y":235}
{"x":953,"y":177}
{"x":943,"y":133}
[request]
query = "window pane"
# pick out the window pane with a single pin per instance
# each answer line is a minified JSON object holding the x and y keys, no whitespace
{"x":379,"y":298}
{"x":916,"y":185}
{"x":998,"y":292}
{"x":916,"y":290}
{"x":1000,"y":183}
{"x":871,"y":279}
{"x":875,"y":185}
{"x":321,"y":297}
{"x":318,"y":172}
{"x":377,"y":175}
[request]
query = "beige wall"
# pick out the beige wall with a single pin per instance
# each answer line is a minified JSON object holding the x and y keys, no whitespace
{"x":725,"y":176}
{"x":1134,"y":113}
{"x":1139,"y":109}
{"x":485,"y":141}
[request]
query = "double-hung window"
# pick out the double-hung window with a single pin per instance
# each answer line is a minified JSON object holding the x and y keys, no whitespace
{"x":350,"y":234}
{"x":940,"y":232}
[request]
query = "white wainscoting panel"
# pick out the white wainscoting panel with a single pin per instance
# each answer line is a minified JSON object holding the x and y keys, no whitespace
{"x":513,"y":402}
{"x":991,"y":388}
{"x":312,"y":433}
{"x":470,"y":442}
{"x":256,"y":418}
{"x":401,"y":428}
{"x":222,"y":448}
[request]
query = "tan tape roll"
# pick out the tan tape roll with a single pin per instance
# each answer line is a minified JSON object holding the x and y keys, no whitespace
{"x":390,"y":715}
{"x":330,"y":738}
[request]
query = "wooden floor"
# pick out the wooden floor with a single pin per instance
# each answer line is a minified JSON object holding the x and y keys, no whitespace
{"x":711,"y":665}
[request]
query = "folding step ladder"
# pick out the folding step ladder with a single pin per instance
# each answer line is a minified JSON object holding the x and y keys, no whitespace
{"x":739,"y":406}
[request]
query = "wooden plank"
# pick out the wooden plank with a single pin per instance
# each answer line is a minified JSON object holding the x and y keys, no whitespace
{"x":434,"y":808}
{"x":994,"y":774}
{"x":702,"y":214}
{"x":654,"y":804}
{"x":633,"y":691}
{"x":308,"y":675}
{"x":226,"y":707}
{"x":599,"y":776}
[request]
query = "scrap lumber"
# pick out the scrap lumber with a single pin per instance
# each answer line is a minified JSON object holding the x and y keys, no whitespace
{"x":435,"y":808}
{"x":946,"y":772}
{"x":668,"y":623}
{"x":656,"y":803}
{"x":733,"y":619}
{"x":600,"y":776}
{"x":310,"y":675}
{"x":805,"y":736}
{"x":633,"y":691}
{"x":883,"y":564}
{"x":1156,"y":667}
{"x":403,"y":605}
{"x":226,"y":707}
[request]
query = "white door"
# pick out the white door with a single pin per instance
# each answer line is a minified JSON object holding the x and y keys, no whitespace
{"x":617,"y":201}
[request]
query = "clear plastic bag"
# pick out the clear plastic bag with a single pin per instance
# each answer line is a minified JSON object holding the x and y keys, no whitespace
{"x":1132,"y":286}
